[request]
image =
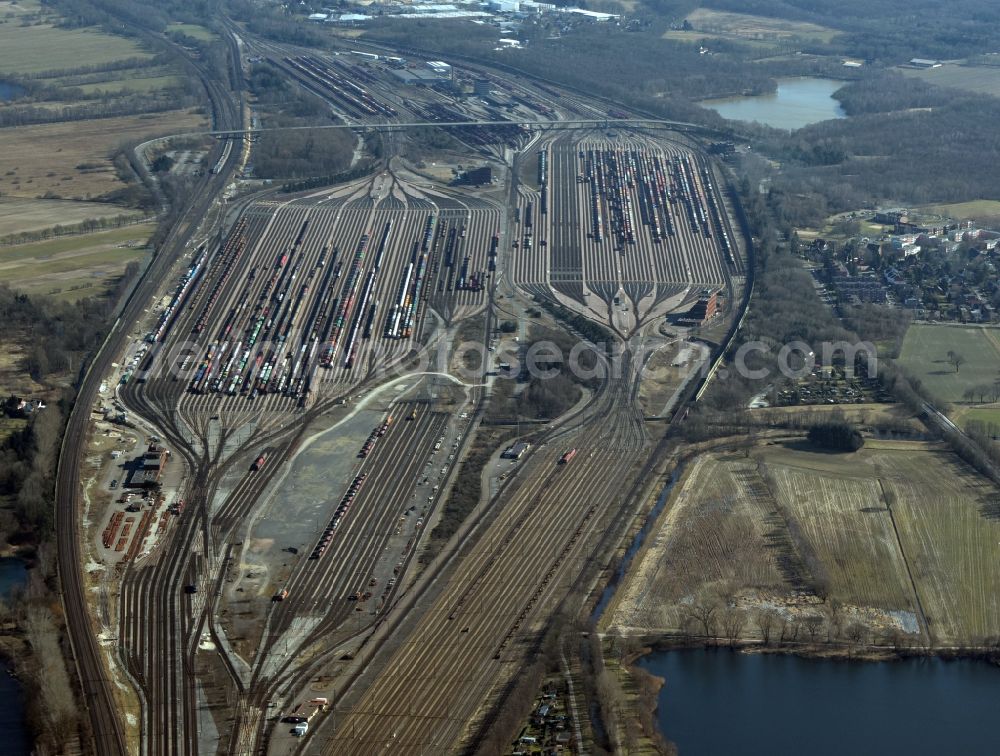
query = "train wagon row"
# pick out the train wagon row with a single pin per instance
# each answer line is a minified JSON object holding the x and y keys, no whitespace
{"x":342,"y":509}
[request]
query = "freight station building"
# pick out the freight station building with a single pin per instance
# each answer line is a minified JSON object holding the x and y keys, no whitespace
{"x":147,"y":469}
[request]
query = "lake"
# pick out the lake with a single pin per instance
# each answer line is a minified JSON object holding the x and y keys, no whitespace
{"x":16,"y":741}
{"x":796,"y":103}
{"x":718,"y":701}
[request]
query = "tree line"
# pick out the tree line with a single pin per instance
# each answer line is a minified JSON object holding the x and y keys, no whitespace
{"x":87,"y":226}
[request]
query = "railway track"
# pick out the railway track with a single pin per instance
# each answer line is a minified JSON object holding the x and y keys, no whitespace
{"x":98,"y":699}
{"x":308,"y":274}
{"x":515,"y":570}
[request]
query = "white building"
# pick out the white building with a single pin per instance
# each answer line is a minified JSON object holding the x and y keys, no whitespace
{"x":439,"y":66}
{"x":592,"y":15}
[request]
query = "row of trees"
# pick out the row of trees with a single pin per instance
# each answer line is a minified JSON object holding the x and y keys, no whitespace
{"x":709,"y":617}
{"x":836,"y":436}
{"x":87,"y":226}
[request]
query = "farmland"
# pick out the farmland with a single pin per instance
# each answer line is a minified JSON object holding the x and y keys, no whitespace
{"x":131,"y":84}
{"x":40,"y":159}
{"x":745,"y":26}
{"x":17,"y":215}
{"x":75,"y":266}
{"x":925,"y":355}
{"x":897,"y":537}
{"x":976,"y":79}
{"x":82,"y":72}
{"x":34,"y":49}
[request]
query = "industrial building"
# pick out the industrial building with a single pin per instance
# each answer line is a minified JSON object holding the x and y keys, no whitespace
{"x":416,"y":77}
{"x":476,"y":176}
{"x":516,"y":451}
{"x":705,"y":308}
{"x":147,"y":469}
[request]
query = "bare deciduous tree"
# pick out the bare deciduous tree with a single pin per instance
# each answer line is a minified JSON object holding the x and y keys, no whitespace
{"x":955,"y":359}
{"x":703,"y":612}
{"x":733,"y":622}
{"x":765,"y":621}
{"x":813,"y":625}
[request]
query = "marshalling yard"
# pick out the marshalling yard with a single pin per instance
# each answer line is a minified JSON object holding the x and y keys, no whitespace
{"x":280,"y":576}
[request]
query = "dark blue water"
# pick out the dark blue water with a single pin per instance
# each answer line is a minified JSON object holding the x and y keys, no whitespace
{"x":13,"y":574}
{"x":9,"y":91}
{"x":717,"y":701}
{"x":14,"y":735}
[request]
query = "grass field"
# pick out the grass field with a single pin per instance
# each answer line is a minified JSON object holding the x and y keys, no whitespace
{"x":977,"y":79}
{"x":192,"y":30}
{"x":73,"y":267}
{"x":746,"y":26}
{"x":132,"y":84}
{"x":43,"y":158}
{"x":33,"y":214}
{"x":691,"y":37}
{"x":32,"y":49}
{"x":989,"y":414}
{"x":755,"y":529}
{"x":925,"y":355}
{"x":827,"y":230}
{"x":974,"y":210}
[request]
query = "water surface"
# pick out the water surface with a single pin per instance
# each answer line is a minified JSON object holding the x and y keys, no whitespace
{"x":716,"y":701}
{"x":796,"y":103}
{"x":9,"y":91}
{"x":13,"y":574}
{"x":15,"y":736}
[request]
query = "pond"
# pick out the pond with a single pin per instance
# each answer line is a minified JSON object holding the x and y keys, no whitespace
{"x":16,"y":741}
{"x":796,"y":103}
{"x":717,"y":701}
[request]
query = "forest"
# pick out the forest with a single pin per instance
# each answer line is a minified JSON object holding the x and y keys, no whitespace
{"x":60,"y":333}
{"x":892,"y":31}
